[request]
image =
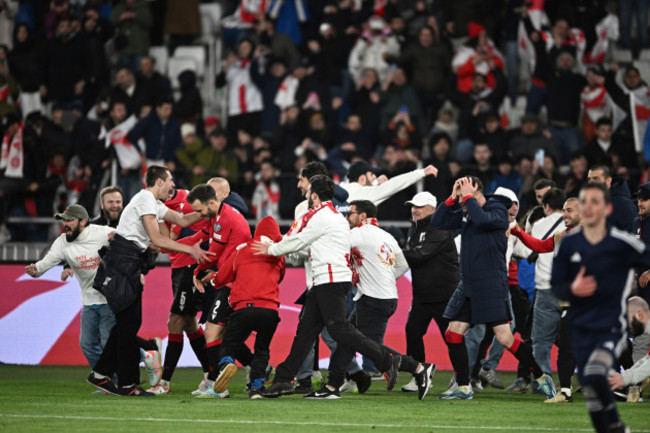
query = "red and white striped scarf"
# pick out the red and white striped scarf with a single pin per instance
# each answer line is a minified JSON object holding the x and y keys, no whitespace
{"x":369,"y":221}
{"x":595,"y":102}
{"x":301,"y":222}
{"x":12,"y":156}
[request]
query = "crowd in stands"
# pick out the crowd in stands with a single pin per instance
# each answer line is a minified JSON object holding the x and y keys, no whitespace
{"x":509,"y":91}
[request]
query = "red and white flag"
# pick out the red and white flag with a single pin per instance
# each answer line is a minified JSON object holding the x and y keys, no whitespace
{"x":128,"y":156}
{"x":596,"y":103}
{"x":12,"y":155}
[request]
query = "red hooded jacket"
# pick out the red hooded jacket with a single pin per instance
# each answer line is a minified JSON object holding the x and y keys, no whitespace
{"x":255,"y":279}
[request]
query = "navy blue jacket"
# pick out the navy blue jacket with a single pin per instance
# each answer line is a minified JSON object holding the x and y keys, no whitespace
{"x":162,"y":140}
{"x":642,"y":229}
{"x":234,"y":200}
{"x":483,"y":252}
{"x":340,"y":200}
{"x":625,"y":210}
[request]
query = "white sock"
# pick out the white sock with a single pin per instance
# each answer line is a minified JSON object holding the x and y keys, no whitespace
{"x":205,"y":375}
{"x":164,"y":383}
{"x":419,"y":369}
{"x":566,"y":391}
{"x":99,"y":376}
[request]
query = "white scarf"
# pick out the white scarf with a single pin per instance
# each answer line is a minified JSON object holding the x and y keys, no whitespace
{"x":13,"y":157}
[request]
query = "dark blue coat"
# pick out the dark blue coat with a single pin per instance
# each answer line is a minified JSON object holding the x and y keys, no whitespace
{"x":642,"y":229}
{"x":162,"y":141}
{"x":625,"y":211}
{"x":483,"y":253}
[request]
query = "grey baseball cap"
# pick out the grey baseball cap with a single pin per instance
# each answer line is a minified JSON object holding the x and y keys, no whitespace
{"x":71,"y":212}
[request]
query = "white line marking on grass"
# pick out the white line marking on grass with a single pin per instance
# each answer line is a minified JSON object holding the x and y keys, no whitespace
{"x":297,"y":423}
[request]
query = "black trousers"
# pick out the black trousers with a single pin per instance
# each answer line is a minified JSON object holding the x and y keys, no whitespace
{"x":263,"y":321}
{"x":370,"y":316}
{"x":420,"y":317}
{"x":121,"y":354}
{"x":523,"y":370}
{"x":325,"y":306}
{"x":566,"y":362}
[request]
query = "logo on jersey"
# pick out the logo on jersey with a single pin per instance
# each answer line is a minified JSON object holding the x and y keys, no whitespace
{"x":576,"y":258}
{"x":216,"y":227}
{"x":386,"y":255}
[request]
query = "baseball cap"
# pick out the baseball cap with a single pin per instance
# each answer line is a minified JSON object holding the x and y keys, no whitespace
{"x":359,"y":168}
{"x":71,"y":212}
{"x":505,"y":192}
{"x":187,"y":129}
{"x":212,"y":120}
{"x":643,"y":193}
{"x":376,"y":23}
{"x":422,"y":199}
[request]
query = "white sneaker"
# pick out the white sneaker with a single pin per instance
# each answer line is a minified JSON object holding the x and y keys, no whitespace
{"x":412,"y":386}
{"x":453,"y":386}
{"x":203,"y":386}
{"x":160,"y":389}
{"x":153,"y":365}
{"x":349,"y":386}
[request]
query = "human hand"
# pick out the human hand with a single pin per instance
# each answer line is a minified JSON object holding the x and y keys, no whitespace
{"x":583,"y":285}
{"x":644,"y":278}
{"x":466,"y":187}
{"x":381,"y":179}
{"x":430,"y":170}
{"x":67,"y":273}
{"x":207,"y":277}
{"x":198,"y":284}
{"x":201,"y":256}
{"x":616,"y":381}
{"x":261,"y":248}
{"x":31,"y":270}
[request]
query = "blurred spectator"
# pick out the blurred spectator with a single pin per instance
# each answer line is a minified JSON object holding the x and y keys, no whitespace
{"x":55,"y":137}
{"x":530,"y":138}
{"x":277,"y":45}
{"x":365,"y":100}
{"x":564,"y":89}
{"x":353,"y":132}
{"x":139,"y":99}
{"x":371,"y":50}
{"x":64,"y":66}
{"x":189,"y":170}
{"x":266,"y":197}
{"x":8,"y":90}
{"x":132,"y":20}
{"x":402,"y":133}
{"x":93,"y":38}
{"x":506,"y":177}
{"x":577,"y":176}
{"x":8,"y":10}
{"x":396,"y":161}
{"x":510,"y":34}
{"x":12,"y":159}
{"x":160,"y":132}
{"x":275,"y":70}
{"x":446,"y":122}
{"x":290,"y":16}
{"x":152,"y":80}
{"x":458,"y":14}
{"x":244,"y":97}
{"x":440,"y":150}
{"x":490,"y":132}
{"x":640,"y":9}
{"x":182,"y":23}
{"x":59,"y":10}
{"x":604,"y":146}
{"x":596,"y":104}
{"x":427,"y":62}
{"x":317,"y":132}
{"x":210,"y":124}
{"x":477,"y":56}
{"x":473,"y":105}
{"x":25,"y":60}
{"x":189,"y":107}
{"x":288,"y":137}
{"x":549,"y":170}
{"x":481,"y":164}
{"x":400,"y":100}
{"x":216,"y":160}
{"x":414,"y":13}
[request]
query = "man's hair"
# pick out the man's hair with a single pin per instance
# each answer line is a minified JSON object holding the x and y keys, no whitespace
{"x":477,"y":182}
{"x":203,"y":193}
{"x":322,"y":186}
{"x":535,"y":214}
{"x":313,"y":168}
{"x":110,"y":189}
{"x":164,"y":99}
{"x":571,"y":199}
{"x":155,"y":172}
{"x":603,"y":121}
{"x":599,"y":187}
{"x":126,"y":68}
{"x":365,"y":206}
{"x":221,"y":181}
{"x":555,"y":198}
{"x":607,"y":173}
{"x":544,"y":183}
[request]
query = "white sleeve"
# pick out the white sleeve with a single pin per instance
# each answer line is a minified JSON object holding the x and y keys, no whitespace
{"x":53,"y":257}
{"x":379,"y":193}
{"x":638,"y":372}
{"x":146,"y":205}
{"x":520,"y":250}
{"x":287,"y":245}
{"x":401,"y":265}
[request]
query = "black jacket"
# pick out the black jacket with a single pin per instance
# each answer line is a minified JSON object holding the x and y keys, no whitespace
{"x":432,"y":256}
{"x":642,"y":229}
{"x":625,"y":211}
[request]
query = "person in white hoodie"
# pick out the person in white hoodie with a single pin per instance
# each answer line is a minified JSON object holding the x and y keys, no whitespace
{"x":78,"y":247}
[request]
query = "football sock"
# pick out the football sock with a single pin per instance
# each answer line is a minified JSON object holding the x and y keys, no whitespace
{"x":197,"y":341}
{"x":458,"y":356}
{"x":212,"y":351}
{"x":524,"y":354}
{"x":172,"y":355}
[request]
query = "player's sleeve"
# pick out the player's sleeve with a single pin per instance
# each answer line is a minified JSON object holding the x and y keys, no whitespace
{"x":494,"y":219}
{"x":561,"y":279}
{"x":53,"y":257}
{"x":447,"y":217}
{"x":537,"y":245}
{"x":288,"y":244}
{"x":226,"y":273}
{"x":313,"y":230}
{"x":401,"y":265}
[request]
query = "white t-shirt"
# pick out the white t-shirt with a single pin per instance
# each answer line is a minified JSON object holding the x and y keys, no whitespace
{"x":544,"y":262}
{"x":131,"y":226}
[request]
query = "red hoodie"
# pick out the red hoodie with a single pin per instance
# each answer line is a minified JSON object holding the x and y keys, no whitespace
{"x":255,"y":279}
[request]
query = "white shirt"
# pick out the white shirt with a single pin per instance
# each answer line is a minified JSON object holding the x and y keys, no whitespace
{"x":545,"y":260}
{"x":380,"y":262}
{"x":379,"y":193}
{"x":328,"y":235}
{"x":131,"y":226}
{"x":81,"y":254}
{"x":641,"y":369}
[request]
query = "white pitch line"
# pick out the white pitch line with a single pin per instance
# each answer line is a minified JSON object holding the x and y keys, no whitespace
{"x":297,"y":423}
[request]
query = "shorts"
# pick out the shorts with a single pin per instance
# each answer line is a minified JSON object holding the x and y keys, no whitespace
{"x":187,"y":299}
{"x":459,"y":309}
{"x":587,"y":342}
{"x":221,"y":310}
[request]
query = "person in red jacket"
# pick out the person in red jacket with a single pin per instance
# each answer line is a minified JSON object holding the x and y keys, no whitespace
{"x":254,"y":298}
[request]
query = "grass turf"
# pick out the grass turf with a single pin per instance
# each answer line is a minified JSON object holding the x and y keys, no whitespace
{"x":57,"y":399}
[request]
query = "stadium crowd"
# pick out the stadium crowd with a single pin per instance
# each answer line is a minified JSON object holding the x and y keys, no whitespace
{"x":515,"y":107}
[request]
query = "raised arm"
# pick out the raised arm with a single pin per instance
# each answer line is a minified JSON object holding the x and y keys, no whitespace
{"x":53,"y":257}
{"x":494,"y":219}
{"x":540,"y":246}
{"x":159,"y":240}
{"x":181,"y":219}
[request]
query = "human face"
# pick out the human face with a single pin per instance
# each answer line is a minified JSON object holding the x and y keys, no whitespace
{"x":22,"y":34}
{"x":482,"y":154}
{"x":513,"y":211}
{"x":164,"y":111}
{"x":303,"y":185}
{"x":146,"y":66}
{"x":425,"y":37}
{"x":644,"y":207}
{"x":571,"y":213}
{"x":421,"y":212}
{"x":400,"y":77}
{"x":528,"y":128}
{"x":636,"y":326}
{"x":244,"y":50}
{"x":118,"y":113}
{"x":353,"y":123}
{"x":354,"y":218}
{"x":72,"y":228}
{"x":632,"y":79}
{"x":370,"y":177}
{"x":539,"y":193}
{"x":124,"y":78}
{"x":604,"y":132}
{"x":478,"y":84}
{"x":268,"y":171}
{"x":206,"y":211}
{"x":593,"y":209}
{"x":597,"y":176}
{"x":112,"y":205}
{"x":166,"y":186}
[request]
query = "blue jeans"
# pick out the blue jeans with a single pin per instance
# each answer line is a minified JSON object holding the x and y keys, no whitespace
{"x":96,"y":324}
{"x":546,"y":324}
{"x":568,"y":140}
{"x":627,"y":9}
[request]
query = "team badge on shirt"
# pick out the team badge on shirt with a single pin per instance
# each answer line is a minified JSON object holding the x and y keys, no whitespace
{"x":216,"y":227}
{"x":576,"y":258}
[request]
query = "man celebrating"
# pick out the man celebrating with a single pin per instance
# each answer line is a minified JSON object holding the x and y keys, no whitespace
{"x":118,"y":278}
{"x":594,"y":270}
{"x":78,"y":248}
{"x":481,"y":295}
{"x":328,"y":235}
{"x":111,"y":205}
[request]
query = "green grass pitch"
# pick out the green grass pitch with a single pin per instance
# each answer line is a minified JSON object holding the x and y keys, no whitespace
{"x":57,"y":399}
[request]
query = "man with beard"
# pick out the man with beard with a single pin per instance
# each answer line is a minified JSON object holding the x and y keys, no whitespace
{"x":111,"y":205}
{"x":78,"y":248}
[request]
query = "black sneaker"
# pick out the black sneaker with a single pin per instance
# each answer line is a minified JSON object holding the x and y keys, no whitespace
{"x":362,"y":380}
{"x":105,"y":384}
{"x":390,"y":375}
{"x":324,"y":394}
{"x":255,"y":393}
{"x":619,"y":427}
{"x":277,"y":389}
{"x":135,"y":391}
{"x":423,"y":379}
{"x":304,"y":386}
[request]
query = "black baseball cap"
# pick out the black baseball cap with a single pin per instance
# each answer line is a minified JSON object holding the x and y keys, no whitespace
{"x":359,"y":168}
{"x":643,"y":193}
